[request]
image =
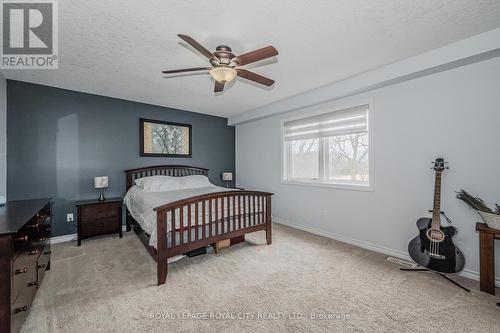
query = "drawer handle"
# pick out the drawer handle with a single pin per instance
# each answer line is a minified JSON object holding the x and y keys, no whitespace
{"x":22,"y":270}
{"x":21,"y":309}
{"x":21,"y":238}
{"x":31,"y":284}
{"x":41,"y":266}
{"x":47,"y":252}
{"x":33,"y":252}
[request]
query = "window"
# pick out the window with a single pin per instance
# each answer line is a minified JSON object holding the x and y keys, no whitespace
{"x":329,"y":149}
{"x":304,"y":159}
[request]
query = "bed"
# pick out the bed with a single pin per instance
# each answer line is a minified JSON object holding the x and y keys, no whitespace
{"x":193,"y":215}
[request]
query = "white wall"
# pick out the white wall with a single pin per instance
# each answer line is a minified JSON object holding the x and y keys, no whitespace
{"x":3,"y":136}
{"x":454,"y":114}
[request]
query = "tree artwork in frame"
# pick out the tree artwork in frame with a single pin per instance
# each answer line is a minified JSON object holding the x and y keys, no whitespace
{"x":164,"y":139}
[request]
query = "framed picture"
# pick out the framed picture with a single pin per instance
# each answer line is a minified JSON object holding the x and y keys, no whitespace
{"x":164,"y":139}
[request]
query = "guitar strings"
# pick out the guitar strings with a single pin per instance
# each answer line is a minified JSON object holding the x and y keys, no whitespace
{"x":434,"y":245}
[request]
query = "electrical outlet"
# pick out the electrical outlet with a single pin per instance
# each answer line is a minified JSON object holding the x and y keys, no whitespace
{"x":69,"y":217}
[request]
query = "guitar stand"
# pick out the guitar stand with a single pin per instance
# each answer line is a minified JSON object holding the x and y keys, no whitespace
{"x":440,"y":274}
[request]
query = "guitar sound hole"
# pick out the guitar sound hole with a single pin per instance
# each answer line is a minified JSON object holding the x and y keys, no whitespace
{"x":435,"y":235}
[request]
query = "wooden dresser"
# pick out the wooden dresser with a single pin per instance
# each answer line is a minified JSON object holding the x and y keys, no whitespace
{"x":25,"y":228}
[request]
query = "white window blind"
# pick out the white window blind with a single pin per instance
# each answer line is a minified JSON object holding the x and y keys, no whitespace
{"x":330,"y":149}
{"x":349,"y":121}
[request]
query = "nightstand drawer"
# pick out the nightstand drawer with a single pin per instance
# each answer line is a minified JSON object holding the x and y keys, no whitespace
{"x":99,"y":227}
{"x":100,"y":211}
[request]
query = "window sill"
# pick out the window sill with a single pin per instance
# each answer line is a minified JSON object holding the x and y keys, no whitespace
{"x":352,"y":187}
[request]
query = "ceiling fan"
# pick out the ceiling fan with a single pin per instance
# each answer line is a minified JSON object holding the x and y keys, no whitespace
{"x":226,"y":66}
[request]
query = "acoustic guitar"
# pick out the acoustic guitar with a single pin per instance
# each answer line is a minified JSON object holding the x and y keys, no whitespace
{"x":433,"y":248}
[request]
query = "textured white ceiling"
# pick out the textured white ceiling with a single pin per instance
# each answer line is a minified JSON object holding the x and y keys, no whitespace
{"x":118,"y":48}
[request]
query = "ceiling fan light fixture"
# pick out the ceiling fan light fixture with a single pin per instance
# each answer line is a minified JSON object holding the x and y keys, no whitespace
{"x":223,"y":74}
{"x":226,"y":65}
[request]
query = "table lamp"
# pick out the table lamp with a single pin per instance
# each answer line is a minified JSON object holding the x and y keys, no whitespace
{"x":227,"y":176}
{"x":101,"y":183}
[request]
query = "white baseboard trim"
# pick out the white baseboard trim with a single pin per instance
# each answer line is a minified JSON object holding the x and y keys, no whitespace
{"x":69,"y":238}
{"x":365,"y":245}
{"x":62,"y":239}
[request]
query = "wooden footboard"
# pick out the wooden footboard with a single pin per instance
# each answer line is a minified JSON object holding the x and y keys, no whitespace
{"x":202,"y":220}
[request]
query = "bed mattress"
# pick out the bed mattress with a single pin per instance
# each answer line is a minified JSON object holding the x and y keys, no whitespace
{"x":141,"y":206}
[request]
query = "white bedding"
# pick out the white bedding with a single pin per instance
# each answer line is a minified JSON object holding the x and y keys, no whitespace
{"x":140,"y":204}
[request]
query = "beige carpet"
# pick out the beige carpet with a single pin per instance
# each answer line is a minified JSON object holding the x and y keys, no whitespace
{"x":108,"y":285}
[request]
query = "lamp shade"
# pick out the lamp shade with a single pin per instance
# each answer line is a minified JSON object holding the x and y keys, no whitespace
{"x":101,"y":182}
{"x":227,"y":176}
{"x":223,"y":74}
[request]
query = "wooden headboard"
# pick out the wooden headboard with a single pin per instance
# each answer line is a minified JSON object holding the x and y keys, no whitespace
{"x":163,"y":170}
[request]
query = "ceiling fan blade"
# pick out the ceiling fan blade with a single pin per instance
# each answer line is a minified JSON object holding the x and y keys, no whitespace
{"x":218,"y":86}
{"x":254,"y":77}
{"x":186,"y":70}
{"x":260,"y":54}
{"x":197,"y":46}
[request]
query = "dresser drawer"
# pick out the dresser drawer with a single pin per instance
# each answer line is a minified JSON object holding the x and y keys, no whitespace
{"x":21,"y":306}
{"x":31,"y":240}
{"x":42,"y":264}
{"x":39,"y":240}
{"x":38,"y":227}
{"x":24,"y":274}
{"x":100,"y":211}
{"x":21,"y":242}
{"x":100,"y":227}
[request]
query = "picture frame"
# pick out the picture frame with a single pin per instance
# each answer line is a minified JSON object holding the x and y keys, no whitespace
{"x":160,"y":138}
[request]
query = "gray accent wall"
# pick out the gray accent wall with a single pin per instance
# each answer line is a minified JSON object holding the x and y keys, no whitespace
{"x":60,"y":139}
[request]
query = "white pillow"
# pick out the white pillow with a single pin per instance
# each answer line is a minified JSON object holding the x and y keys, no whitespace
{"x":195,"y":181}
{"x":158,"y":183}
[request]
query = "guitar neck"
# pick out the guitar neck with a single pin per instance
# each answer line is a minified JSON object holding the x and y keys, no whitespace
{"x":436,"y":210}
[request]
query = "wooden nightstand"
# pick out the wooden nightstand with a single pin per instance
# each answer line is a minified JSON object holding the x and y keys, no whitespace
{"x":96,"y":218}
{"x":487,"y":238}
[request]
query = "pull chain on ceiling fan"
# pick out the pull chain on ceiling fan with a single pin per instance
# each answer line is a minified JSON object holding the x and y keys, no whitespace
{"x":226,"y":66}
